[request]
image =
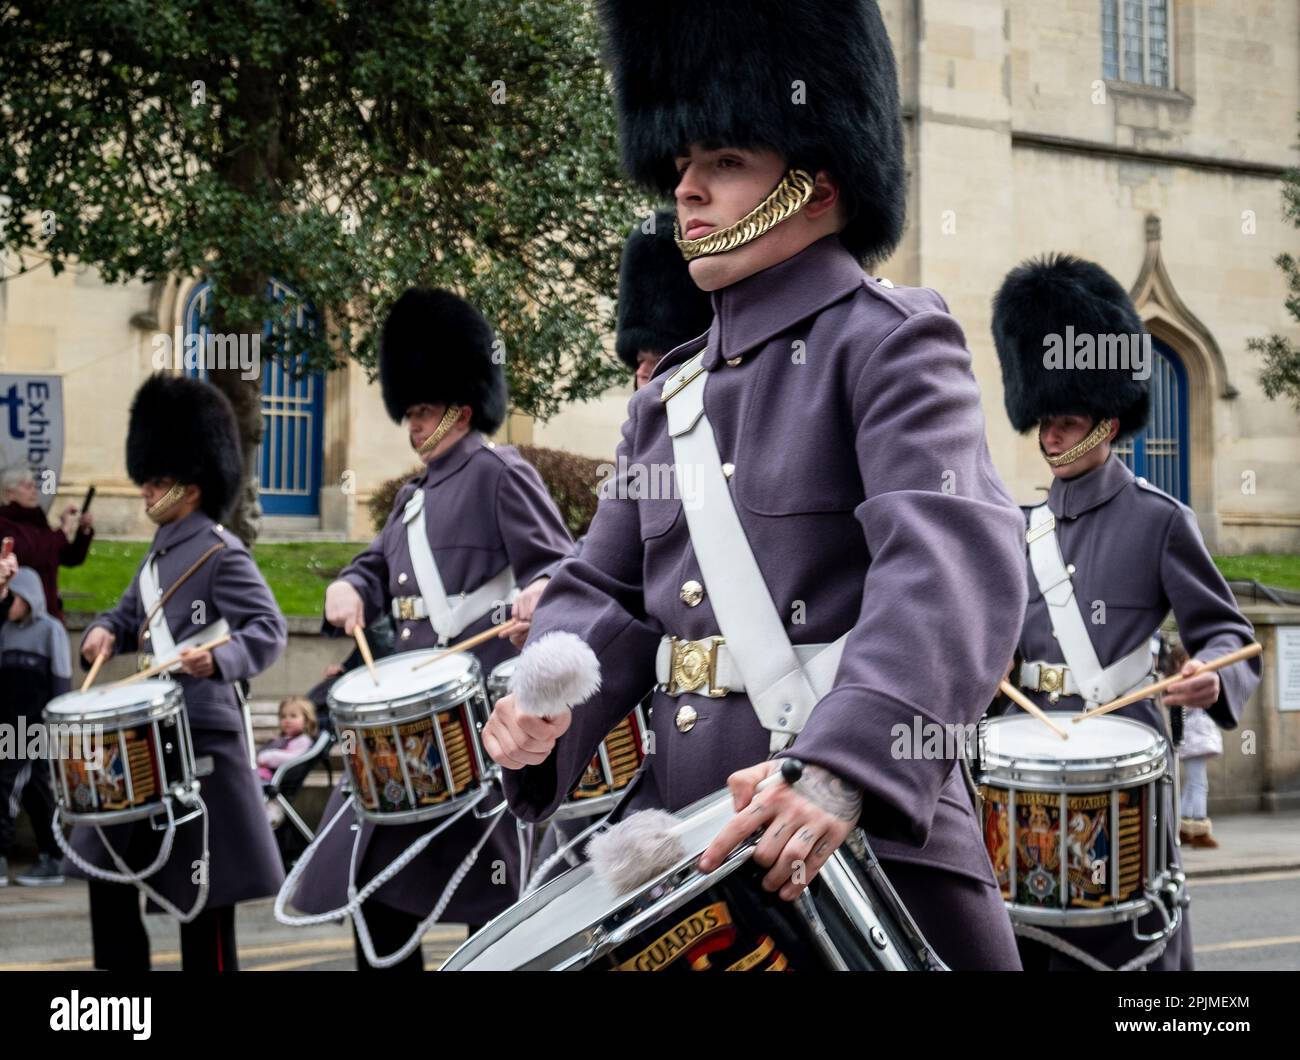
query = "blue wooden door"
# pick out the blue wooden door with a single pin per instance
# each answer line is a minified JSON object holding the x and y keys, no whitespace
{"x":289,"y":458}
{"x":1159,"y":452}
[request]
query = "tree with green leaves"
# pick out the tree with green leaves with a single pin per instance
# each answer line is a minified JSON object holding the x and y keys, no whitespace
{"x":1280,"y":374}
{"x":347,"y":149}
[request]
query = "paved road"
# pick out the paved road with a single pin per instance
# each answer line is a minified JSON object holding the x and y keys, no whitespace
{"x":47,"y":928}
{"x":1247,"y":922}
{"x":1240,"y":922}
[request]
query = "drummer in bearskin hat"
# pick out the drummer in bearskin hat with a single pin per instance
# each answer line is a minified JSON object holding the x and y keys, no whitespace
{"x":197,"y":582}
{"x":491,"y":528}
{"x":1130,"y":551}
{"x":659,"y":306}
{"x":837,"y":557}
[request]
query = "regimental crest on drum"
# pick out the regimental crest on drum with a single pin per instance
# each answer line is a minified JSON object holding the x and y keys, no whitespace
{"x":1089,"y":846}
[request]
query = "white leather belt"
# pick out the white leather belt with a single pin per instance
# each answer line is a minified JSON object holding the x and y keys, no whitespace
{"x":1048,"y":677}
{"x":463,"y":608}
{"x":706,"y":666}
{"x":1125,"y":674}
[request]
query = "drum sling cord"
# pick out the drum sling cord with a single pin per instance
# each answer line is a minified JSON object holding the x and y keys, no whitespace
{"x":162,"y":600}
{"x":1059,"y":944}
{"x":352,"y":907}
{"x":137,"y":879}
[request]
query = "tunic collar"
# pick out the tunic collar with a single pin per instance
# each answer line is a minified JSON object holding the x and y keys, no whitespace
{"x":447,"y":464}
{"x":1069,"y":498}
{"x":753,"y":310}
{"x":174,"y":533}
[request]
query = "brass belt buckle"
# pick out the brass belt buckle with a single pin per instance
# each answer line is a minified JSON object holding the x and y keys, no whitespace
{"x":406,"y":608}
{"x":1051,"y":679}
{"x":695,"y":667}
{"x":143,"y":662}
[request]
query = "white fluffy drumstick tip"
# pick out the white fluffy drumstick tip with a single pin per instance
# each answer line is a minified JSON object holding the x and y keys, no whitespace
{"x":636,"y":850}
{"x":554,"y":673}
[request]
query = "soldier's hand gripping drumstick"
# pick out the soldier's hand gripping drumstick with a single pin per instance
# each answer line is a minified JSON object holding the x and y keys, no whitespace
{"x":344,"y":607}
{"x":522,"y":612}
{"x":552,"y":675}
{"x":514,"y":739}
{"x":804,"y":822}
{"x":99,"y":641}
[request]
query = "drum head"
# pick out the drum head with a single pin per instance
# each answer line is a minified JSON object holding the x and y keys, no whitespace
{"x":552,"y":927}
{"x":451,"y":679}
{"x":109,"y":703}
{"x":1028,"y":739}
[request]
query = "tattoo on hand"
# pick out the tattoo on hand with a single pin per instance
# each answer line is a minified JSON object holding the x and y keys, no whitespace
{"x":828,"y":792}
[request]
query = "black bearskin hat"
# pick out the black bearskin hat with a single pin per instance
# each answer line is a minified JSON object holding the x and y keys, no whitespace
{"x":184,"y":429}
{"x":812,"y":79}
{"x":436,"y":348}
{"x":659,"y":306}
{"x":1038,"y":301}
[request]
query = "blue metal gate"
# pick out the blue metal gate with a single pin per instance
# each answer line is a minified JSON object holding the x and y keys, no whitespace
{"x":289,"y":458}
{"x":1159,"y":452}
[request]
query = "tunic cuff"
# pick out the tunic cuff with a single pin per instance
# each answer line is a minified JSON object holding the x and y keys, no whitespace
{"x":868,"y":738}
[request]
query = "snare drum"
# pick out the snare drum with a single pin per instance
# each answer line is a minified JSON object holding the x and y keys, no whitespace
{"x":1075,"y":829}
{"x":611,"y":769}
{"x":411,"y":742}
{"x":117,"y":754}
{"x":849,"y":918}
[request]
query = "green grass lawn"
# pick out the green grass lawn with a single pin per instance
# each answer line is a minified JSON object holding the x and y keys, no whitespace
{"x":1281,"y":571}
{"x":297,"y":572}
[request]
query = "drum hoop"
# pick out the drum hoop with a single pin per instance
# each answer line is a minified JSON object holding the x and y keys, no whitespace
{"x":406,"y":708}
{"x":453,"y":691}
{"x":1079,"y":778}
{"x":420,"y":813}
{"x":1122,"y":912}
{"x":168,"y":701}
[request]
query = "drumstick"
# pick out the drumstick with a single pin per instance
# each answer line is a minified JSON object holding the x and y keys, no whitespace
{"x":468,"y":642}
{"x":158,"y":668}
{"x":1020,"y":699}
{"x":94,"y":670}
{"x":364,"y":648}
{"x":1248,"y":652}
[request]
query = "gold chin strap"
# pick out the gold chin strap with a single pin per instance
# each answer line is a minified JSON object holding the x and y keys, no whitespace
{"x":440,"y":432}
{"x":1095,"y":437}
{"x":165,"y":503}
{"x":787,"y":199}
